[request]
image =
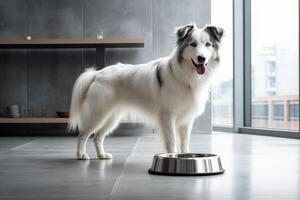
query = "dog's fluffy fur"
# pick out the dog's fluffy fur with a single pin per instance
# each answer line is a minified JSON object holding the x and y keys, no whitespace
{"x":170,"y":91}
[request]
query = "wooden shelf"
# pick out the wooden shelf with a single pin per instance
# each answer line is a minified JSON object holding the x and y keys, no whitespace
{"x":109,"y":42}
{"x":34,"y":120}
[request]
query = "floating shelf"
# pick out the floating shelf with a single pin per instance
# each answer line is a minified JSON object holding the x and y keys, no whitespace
{"x":108,"y":42}
{"x":53,"y":120}
{"x":33,"y":120}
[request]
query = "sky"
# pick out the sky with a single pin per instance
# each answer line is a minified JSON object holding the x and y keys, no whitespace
{"x":273,"y":22}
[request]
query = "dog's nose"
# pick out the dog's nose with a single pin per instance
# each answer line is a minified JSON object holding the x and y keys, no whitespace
{"x":200,"y":59}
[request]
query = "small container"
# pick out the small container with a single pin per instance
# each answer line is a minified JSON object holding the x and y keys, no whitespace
{"x":14,"y":111}
{"x":100,"y":34}
{"x":63,"y":114}
{"x":28,"y":37}
{"x":188,"y":164}
{"x":44,"y":111}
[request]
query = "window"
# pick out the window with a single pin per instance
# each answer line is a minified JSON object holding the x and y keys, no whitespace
{"x":278,"y":110}
{"x":222,"y":91}
{"x":294,"y":111}
{"x":222,"y":111}
{"x":275,"y":64}
{"x":271,"y":68}
{"x":272,"y":82}
{"x":260,"y":111}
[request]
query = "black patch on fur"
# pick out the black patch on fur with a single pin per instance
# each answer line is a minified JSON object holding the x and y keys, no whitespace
{"x":158,"y":75}
{"x":170,"y":67}
{"x":184,"y":37}
{"x":215,"y":35}
{"x":184,"y":32}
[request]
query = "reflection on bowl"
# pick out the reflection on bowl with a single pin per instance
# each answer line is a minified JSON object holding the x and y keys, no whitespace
{"x":63,"y":114}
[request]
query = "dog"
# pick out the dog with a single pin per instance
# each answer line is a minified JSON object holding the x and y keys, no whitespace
{"x":170,"y":91}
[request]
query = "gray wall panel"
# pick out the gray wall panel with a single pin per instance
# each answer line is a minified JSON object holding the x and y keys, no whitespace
{"x":13,"y":79}
{"x":55,"y":18}
{"x":13,"y":19}
{"x":168,"y":14}
{"x":52,"y":74}
{"x":13,"y":75}
{"x":120,"y":18}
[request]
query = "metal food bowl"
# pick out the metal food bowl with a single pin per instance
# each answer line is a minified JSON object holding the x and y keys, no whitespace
{"x":187,"y":164}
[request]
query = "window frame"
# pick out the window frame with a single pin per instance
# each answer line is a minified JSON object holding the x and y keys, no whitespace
{"x":247,"y":128}
{"x":242,"y":76}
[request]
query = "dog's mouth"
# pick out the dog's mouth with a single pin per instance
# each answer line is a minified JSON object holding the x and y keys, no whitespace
{"x":200,"y":68}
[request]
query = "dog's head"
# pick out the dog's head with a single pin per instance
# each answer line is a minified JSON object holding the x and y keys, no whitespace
{"x":199,"y":47}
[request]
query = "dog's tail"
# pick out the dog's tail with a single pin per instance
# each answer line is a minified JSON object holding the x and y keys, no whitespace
{"x":80,"y":89}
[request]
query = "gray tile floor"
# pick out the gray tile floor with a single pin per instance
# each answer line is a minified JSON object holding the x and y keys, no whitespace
{"x":257,"y":167}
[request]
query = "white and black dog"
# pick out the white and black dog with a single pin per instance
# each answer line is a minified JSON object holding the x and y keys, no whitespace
{"x":170,"y":91}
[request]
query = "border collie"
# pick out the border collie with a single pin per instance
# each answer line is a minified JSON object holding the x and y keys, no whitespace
{"x":171,"y":92}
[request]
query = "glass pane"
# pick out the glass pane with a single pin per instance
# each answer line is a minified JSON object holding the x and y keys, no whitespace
{"x":260,"y":111}
{"x":275,"y":64}
{"x":222,"y":15}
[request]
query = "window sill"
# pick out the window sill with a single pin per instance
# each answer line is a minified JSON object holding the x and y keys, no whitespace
{"x":270,"y":132}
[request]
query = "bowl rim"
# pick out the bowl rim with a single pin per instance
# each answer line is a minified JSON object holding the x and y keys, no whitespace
{"x":176,"y":156}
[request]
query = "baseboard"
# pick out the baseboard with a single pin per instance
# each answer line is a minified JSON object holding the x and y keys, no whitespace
{"x":61,"y":130}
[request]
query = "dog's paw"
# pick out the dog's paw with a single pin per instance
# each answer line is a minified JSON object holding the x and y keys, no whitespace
{"x":185,"y":151}
{"x":105,"y":156}
{"x":83,"y":156}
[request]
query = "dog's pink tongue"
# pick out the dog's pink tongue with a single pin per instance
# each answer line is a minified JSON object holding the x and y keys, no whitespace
{"x":200,"y":68}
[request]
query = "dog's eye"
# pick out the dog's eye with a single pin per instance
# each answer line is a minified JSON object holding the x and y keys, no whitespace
{"x":193,"y":44}
{"x":207,"y":44}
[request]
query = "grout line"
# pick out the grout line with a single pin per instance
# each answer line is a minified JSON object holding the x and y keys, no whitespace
{"x":82,"y":13}
{"x":27,"y":57}
{"x":117,"y":179}
{"x":153,"y":31}
{"x":83,"y":50}
{"x":14,"y":148}
{"x":82,"y":18}
{"x":27,"y":77}
{"x":26,"y":18}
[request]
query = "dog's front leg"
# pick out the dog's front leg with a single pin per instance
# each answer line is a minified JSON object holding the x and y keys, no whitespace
{"x":167,"y":128}
{"x":184,"y":135}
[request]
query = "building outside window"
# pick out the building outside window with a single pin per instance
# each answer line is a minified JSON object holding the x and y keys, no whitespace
{"x":278,"y":110}
{"x":275,"y":64}
{"x":293,"y":108}
{"x":260,"y":111}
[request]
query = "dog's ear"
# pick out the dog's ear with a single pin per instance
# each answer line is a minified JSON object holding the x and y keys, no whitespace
{"x":183,"y":31}
{"x":215,"y":32}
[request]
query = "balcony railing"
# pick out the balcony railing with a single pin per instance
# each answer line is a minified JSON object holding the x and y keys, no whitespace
{"x":279,"y":112}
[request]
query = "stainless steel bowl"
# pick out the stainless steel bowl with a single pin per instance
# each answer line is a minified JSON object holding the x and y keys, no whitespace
{"x":188,"y":164}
